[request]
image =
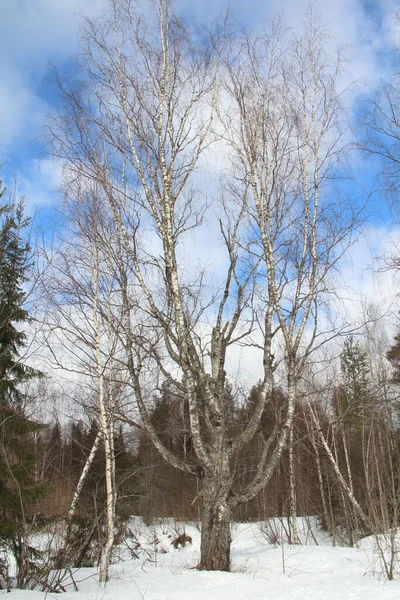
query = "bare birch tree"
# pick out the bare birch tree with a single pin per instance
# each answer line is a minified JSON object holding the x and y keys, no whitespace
{"x":289,"y":143}
{"x":382,"y":135}
{"x":78,"y":285}
{"x":151,"y":102}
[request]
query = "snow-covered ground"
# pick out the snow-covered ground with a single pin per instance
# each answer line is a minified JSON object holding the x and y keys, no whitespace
{"x":261,"y":570}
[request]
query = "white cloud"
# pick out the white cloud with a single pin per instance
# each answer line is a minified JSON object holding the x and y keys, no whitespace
{"x":34,"y":36}
{"x":21,"y":110}
{"x":365,"y":286}
{"x":42,"y":31}
{"x":37,"y":184}
{"x":365,"y":30}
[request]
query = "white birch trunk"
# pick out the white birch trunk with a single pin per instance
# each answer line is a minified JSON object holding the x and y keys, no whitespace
{"x":83,"y":476}
{"x":292,"y":486}
{"x":110,"y":508}
{"x":215,"y":524}
{"x":106,"y":424}
{"x":325,"y":511}
{"x":343,"y":483}
{"x":75,"y":499}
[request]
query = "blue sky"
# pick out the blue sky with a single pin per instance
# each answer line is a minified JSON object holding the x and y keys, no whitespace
{"x":36,"y":34}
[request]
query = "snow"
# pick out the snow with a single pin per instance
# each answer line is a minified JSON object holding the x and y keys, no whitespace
{"x":260,"y":571}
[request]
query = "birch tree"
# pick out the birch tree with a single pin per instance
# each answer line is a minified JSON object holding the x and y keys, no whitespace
{"x":289,"y":143}
{"x":382,"y":135}
{"x":78,"y":286}
{"x":153,"y":107}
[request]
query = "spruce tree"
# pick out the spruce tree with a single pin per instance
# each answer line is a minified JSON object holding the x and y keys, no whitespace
{"x":14,"y":264}
{"x":393,"y":356}
{"x":19,"y":488}
{"x":356,"y":398}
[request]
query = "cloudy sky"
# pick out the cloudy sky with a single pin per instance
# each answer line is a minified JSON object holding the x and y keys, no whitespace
{"x":39,"y":34}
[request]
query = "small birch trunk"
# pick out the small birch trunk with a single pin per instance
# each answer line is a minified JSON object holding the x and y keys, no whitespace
{"x":325,"y":511}
{"x":60,"y":559}
{"x":107,"y":428}
{"x":106,"y":406}
{"x":335,"y":466}
{"x":83,"y":477}
{"x":110,"y":495}
{"x":346,"y":455}
{"x":292,"y":486}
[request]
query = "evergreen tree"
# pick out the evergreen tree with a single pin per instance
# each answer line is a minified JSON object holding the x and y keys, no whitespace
{"x":14,"y":264}
{"x":356,"y":397}
{"x":355,"y":401}
{"x":393,"y":356}
{"x":19,"y":488}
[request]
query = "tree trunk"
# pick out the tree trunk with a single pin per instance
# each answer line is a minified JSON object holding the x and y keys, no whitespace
{"x":61,"y":560}
{"x":108,"y":544}
{"x":325,"y":511}
{"x":81,"y":482}
{"x":294,"y":534}
{"x":215,"y":527}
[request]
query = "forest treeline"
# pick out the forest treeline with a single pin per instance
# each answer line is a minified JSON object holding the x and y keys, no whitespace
{"x":354,"y":417}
